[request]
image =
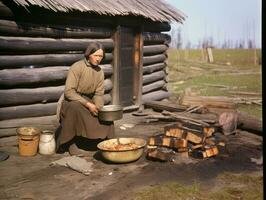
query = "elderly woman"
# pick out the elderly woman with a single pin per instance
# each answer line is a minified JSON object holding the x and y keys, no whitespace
{"x":83,"y":97}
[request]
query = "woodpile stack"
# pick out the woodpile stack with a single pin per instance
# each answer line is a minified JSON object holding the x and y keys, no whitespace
{"x":184,"y":140}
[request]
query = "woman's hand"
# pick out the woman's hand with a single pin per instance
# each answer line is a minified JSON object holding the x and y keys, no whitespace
{"x":93,"y":109}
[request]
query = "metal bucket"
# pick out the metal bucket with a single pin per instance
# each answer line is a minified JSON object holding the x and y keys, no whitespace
{"x":110,"y":113}
{"x":28,"y":140}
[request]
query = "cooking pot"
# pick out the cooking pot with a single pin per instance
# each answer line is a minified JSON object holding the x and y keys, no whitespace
{"x":109,"y":152}
{"x":110,"y":113}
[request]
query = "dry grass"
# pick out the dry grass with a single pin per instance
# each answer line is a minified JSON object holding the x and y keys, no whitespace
{"x":233,"y":68}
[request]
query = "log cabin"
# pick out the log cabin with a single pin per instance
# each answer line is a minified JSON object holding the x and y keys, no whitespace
{"x":41,"y":39}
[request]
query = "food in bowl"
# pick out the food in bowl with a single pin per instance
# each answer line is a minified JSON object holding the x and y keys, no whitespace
{"x":122,"y":147}
{"x":122,"y":150}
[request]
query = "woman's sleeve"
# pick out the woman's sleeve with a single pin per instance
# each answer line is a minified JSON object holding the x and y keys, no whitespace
{"x":72,"y":85}
{"x":99,"y":92}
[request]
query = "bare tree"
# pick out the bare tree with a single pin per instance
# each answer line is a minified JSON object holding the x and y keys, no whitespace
{"x":179,"y":39}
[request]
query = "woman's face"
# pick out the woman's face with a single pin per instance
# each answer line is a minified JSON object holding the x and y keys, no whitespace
{"x":96,"y":57}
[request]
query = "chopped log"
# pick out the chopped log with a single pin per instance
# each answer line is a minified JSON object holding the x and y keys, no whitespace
{"x":250,"y":123}
{"x":42,"y":45}
{"x":155,"y":96}
{"x":148,"y":69}
{"x":170,"y":142}
{"x":153,"y":86}
{"x":30,"y":96}
{"x":160,"y":154}
{"x":245,"y":121}
{"x":207,"y":152}
{"x":154,"y":49}
{"x":147,"y":60}
{"x":12,"y":28}
{"x":193,"y":137}
{"x":149,"y":78}
{"x":15,"y":61}
{"x":21,"y":77}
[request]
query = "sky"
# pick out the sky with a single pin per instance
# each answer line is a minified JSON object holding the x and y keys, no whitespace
{"x":222,"y":20}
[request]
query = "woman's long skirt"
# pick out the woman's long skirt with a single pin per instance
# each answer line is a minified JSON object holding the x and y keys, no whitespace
{"x":76,"y":120}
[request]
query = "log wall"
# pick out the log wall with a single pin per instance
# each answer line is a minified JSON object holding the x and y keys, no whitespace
{"x":35,"y":56}
{"x":154,"y":66}
{"x":34,"y":62}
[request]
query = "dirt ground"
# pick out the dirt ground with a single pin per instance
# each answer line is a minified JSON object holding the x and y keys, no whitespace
{"x":34,"y":178}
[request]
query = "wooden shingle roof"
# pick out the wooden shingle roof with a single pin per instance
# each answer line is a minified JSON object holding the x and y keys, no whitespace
{"x":156,"y":10}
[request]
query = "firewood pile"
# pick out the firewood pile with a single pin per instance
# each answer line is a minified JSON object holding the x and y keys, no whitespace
{"x":184,"y":140}
{"x":196,"y":132}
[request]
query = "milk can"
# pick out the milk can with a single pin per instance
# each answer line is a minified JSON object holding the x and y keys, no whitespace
{"x":47,"y":143}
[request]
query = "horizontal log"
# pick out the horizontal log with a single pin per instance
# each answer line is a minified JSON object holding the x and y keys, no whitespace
{"x":155,"y":96}
{"x":208,"y":101}
{"x":156,"y":38}
{"x":156,"y":26}
{"x":168,"y":106}
{"x":15,"y":61}
{"x":13,"y":28}
{"x":13,"y":97}
{"x":43,"y":45}
{"x":153,"y":86}
{"x":24,"y":77}
{"x":147,"y":60}
{"x":29,"y":121}
{"x":21,"y":77}
{"x":5,"y":12}
{"x":154,"y":49}
{"x":148,"y":69}
{"x":34,"y":110}
{"x":148,"y":78}
{"x":161,"y":106}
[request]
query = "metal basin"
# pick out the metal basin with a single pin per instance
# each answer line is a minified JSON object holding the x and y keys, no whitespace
{"x":110,"y":113}
{"x":122,"y":156}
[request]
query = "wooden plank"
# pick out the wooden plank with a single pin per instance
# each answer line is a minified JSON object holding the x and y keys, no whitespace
{"x":42,"y":45}
{"x":15,"y":61}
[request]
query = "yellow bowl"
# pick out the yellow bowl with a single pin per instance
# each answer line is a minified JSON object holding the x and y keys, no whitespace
{"x":111,"y":154}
